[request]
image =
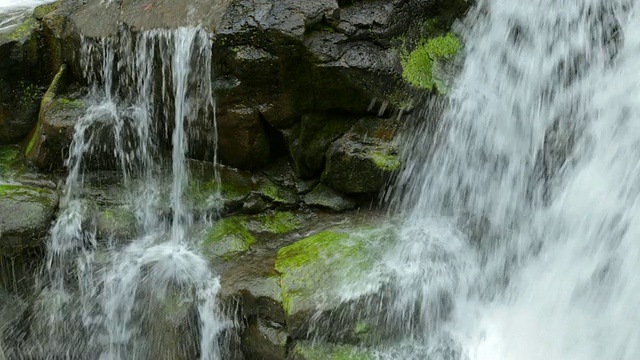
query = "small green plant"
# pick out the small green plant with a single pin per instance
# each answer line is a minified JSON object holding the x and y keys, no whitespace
{"x":417,"y":65}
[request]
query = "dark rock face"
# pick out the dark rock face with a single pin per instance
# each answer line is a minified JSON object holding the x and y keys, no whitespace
{"x":363,"y":158}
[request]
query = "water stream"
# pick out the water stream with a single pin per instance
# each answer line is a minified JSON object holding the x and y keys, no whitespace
{"x":153,"y":296}
{"x":520,"y":239}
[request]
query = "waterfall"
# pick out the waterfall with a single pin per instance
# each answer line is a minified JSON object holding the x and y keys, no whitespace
{"x":153,"y":296}
{"x":521,"y":211}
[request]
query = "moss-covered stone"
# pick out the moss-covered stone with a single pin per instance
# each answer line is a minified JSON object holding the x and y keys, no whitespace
{"x":20,"y":33}
{"x":418,"y":65}
{"x":31,"y":210}
{"x":307,"y":350}
{"x":42,"y":10}
{"x":228,"y":236}
{"x":276,"y":222}
{"x":52,"y":133}
{"x":363,"y":159}
{"x":235,"y":234}
{"x":10,"y":162}
{"x":119,"y":222}
{"x":276,"y":193}
{"x":320,"y":273}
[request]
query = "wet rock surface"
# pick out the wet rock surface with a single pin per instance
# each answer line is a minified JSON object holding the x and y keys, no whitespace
{"x":364,"y":158}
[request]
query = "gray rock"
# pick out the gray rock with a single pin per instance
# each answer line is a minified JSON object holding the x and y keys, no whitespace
{"x":27,"y":214}
{"x":325,"y":197}
{"x":266,"y":340}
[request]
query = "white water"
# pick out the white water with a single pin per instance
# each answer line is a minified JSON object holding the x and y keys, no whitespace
{"x":14,"y":11}
{"x":554,"y":273}
{"x":135,"y":300}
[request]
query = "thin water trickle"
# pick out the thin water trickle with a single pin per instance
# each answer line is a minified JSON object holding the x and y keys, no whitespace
{"x":537,"y":152}
{"x":129,"y":300}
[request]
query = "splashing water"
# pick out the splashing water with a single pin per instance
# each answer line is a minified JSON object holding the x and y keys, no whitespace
{"x":130,"y":300}
{"x":535,"y":164}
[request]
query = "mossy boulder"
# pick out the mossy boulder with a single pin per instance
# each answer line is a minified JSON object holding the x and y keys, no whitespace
{"x":364,"y":158}
{"x":320,"y":277}
{"x":307,"y":350}
{"x":27,"y":214}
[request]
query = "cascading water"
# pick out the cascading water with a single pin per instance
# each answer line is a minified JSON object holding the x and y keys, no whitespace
{"x":520,"y":239}
{"x":120,"y":302}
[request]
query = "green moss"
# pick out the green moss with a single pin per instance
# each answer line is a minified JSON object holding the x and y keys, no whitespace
{"x":228,"y":237}
{"x":21,"y":32}
{"x":280,"y":222}
{"x":277,"y":194}
{"x":9,"y":159}
{"x":310,"y":351}
{"x":42,"y":10}
{"x":26,"y":194}
{"x":417,"y":65}
{"x":384,"y":161}
{"x":56,"y":84}
{"x":64,"y":102}
{"x":320,"y":261}
{"x":30,"y":93}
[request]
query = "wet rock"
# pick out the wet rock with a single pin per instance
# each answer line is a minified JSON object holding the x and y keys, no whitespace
{"x":242,"y":138}
{"x":11,"y":165}
{"x":308,"y":140}
{"x":53,"y":132}
{"x":265,"y":340}
{"x":235,"y":234}
{"x":117,"y":222}
{"x":254,"y":283}
{"x":322,"y":275}
{"x":31,"y":211}
{"x":20,"y":92}
{"x":325,"y":197}
{"x":276,"y":194}
{"x":363,"y":159}
{"x":49,"y":146}
{"x":307,"y":350}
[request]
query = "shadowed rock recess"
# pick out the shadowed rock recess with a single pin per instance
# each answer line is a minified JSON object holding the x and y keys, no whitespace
{"x":284,"y":175}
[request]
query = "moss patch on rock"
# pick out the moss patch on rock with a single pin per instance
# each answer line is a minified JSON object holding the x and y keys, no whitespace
{"x":235,"y":234}
{"x":418,"y":64}
{"x":21,"y":32}
{"x":320,"y":351}
{"x":30,"y":211}
{"x":42,"y":10}
{"x":10,"y":162}
{"x":228,"y":237}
